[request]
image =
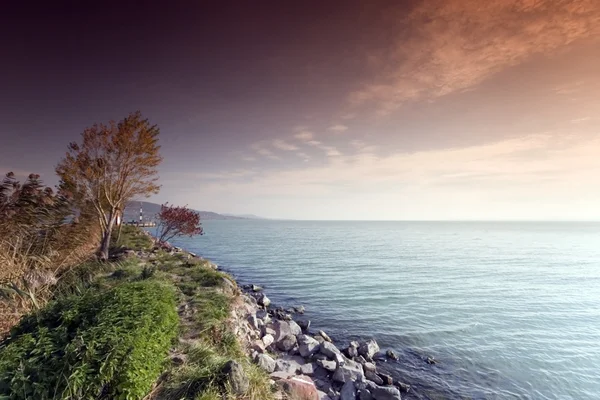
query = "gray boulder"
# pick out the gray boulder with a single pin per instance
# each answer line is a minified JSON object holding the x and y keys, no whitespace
{"x":329,"y":350}
{"x":295,"y":328}
{"x":263,"y":300}
{"x":304,"y":325}
{"x":253,"y":321}
{"x":328,"y":365}
{"x":372,"y":376}
{"x":307,"y":346}
{"x":237,"y":377}
{"x":266,"y":362}
{"x":287,"y":365}
{"x":349,"y":371}
{"x":369,"y":367}
{"x":386,"y":393}
{"x":282,"y":329}
{"x":387,"y":379}
{"x":324,"y":336}
{"x":287,"y":343}
{"x":364,"y":394}
{"x":348,"y":391}
{"x":268,"y":340}
{"x":368,"y":349}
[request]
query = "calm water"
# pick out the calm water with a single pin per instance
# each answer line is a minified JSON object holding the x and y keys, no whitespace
{"x":509,"y":310}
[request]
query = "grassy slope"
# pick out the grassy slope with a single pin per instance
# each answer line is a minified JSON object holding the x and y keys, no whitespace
{"x":205,"y":340}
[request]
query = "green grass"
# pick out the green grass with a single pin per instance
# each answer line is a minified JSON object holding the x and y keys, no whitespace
{"x":107,"y":332}
{"x":131,"y":237}
{"x":109,"y":344}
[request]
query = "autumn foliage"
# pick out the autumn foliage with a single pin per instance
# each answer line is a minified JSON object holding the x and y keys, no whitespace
{"x":113,"y":164}
{"x":177,"y":221}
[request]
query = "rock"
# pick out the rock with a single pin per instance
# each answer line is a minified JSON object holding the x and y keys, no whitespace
{"x":282,"y":329}
{"x":361,"y":360}
{"x":386,"y":393}
{"x":390,"y":354}
{"x":253,"y":322}
{"x":369,"y":367}
{"x":351,"y":351}
{"x":263,"y":300}
{"x":324,"y":336}
{"x":372,"y":376}
{"x":262,"y":314}
{"x":178,"y":359}
{"x":364,"y":394}
{"x":404,"y":387}
{"x":431,"y":360}
{"x":237,"y":377}
{"x":259,"y":346}
{"x":256,"y":288}
{"x":368,"y":349}
{"x":328,"y":365}
{"x":307,"y":346}
{"x":349,"y":371}
{"x":288,"y":366}
{"x":329,"y":350}
{"x":304,"y":325}
{"x":295,"y":328}
{"x":348,"y":391}
{"x":268,"y":339}
{"x":323,"y":395}
{"x":319,"y":356}
{"x":268,"y":330}
{"x":299,"y":388}
{"x":266,"y":362}
{"x":319,"y":338}
{"x":323,"y":384}
{"x":308,"y":369}
{"x":387,"y":379}
{"x":281,"y":315}
{"x":299,"y":309}
{"x":277,"y":375}
{"x":287,"y":343}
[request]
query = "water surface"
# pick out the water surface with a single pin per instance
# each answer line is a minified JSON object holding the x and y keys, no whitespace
{"x":509,"y":310}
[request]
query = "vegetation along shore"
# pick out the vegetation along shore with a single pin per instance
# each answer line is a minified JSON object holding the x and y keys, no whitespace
{"x":95,"y":309}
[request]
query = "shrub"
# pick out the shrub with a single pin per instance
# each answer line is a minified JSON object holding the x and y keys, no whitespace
{"x":109,"y":344}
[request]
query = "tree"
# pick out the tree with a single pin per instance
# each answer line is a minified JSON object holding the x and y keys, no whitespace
{"x":177,"y":221}
{"x":113,"y":164}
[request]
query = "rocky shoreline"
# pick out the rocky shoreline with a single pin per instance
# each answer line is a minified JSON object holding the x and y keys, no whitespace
{"x":306,"y":364}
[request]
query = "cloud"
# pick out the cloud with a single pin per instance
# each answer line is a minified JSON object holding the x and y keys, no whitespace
{"x":260,"y":149}
{"x":332,"y":152}
{"x":249,"y":158}
{"x":448,"y":46}
{"x":283,"y":145}
{"x":571,"y":160}
{"x":338,"y":128}
{"x":304,"y":136}
{"x":315,"y":143}
{"x":580,"y":120}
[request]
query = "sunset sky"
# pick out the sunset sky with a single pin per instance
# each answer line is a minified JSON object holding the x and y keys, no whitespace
{"x":385,"y":110}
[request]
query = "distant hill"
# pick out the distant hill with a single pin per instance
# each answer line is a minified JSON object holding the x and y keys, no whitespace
{"x":149,"y":210}
{"x":244,"y":216}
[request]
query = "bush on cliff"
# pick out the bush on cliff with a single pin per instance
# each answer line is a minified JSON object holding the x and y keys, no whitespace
{"x":109,"y":344}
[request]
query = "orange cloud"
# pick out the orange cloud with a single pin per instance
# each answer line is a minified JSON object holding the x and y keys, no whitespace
{"x":447,"y":46}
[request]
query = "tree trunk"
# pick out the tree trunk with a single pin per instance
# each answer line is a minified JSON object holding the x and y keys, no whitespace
{"x":105,"y":244}
{"x":120,"y":227}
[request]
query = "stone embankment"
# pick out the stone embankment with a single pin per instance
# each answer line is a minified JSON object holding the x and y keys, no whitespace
{"x":307,"y":365}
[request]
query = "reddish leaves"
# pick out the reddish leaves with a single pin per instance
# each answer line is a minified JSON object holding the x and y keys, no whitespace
{"x":177,"y":221}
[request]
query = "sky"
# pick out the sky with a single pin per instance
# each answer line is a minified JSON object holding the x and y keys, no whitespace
{"x":352,"y":110}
